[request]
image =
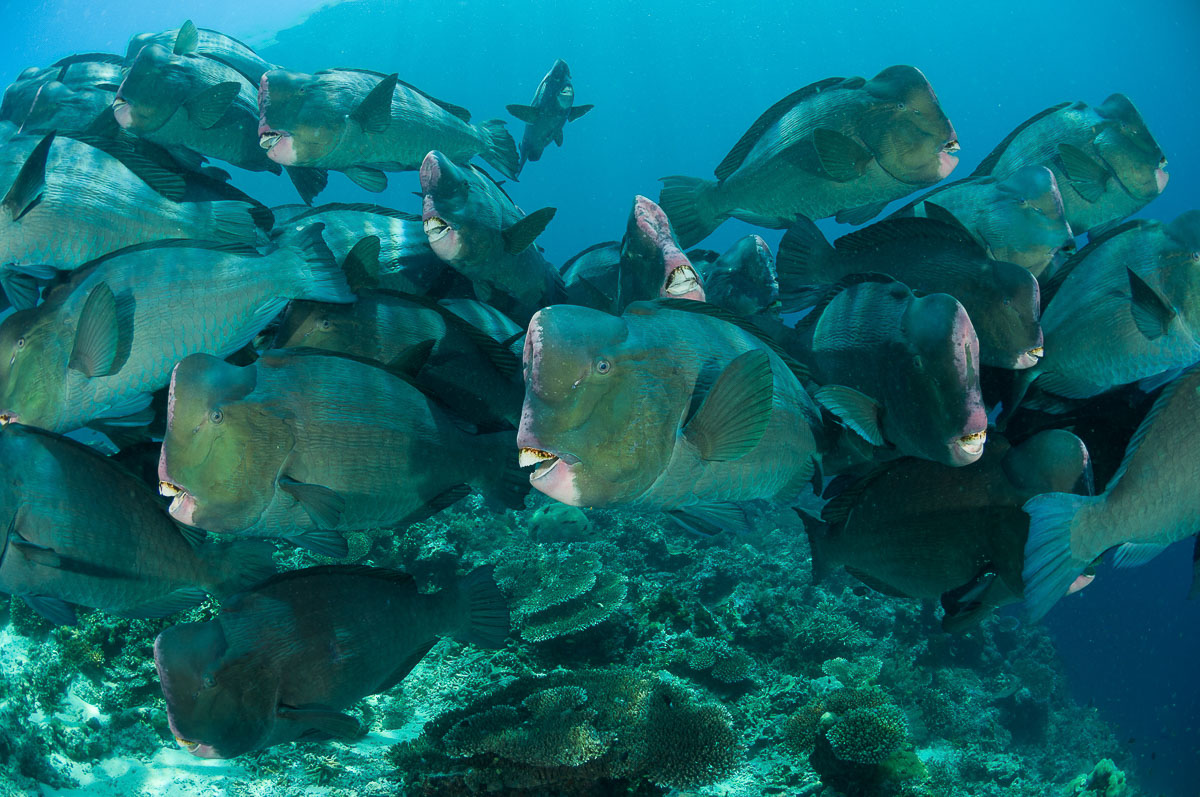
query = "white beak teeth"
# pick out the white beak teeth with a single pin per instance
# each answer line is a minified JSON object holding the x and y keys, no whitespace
{"x":436,"y":229}
{"x":169,"y":490}
{"x":1036,"y":353}
{"x":268,"y":140}
{"x":973,"y":443}
{"x":532,"y":456}
{"x":683,"y":279}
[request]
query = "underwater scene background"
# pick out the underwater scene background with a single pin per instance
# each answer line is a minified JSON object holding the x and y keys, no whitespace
{"x":740,"y":657}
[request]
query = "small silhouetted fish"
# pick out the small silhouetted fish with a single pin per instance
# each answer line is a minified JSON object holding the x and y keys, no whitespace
{"x":552,"y":107}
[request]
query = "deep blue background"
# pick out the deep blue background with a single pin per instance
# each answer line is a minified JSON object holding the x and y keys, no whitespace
{"x":675,"y":84}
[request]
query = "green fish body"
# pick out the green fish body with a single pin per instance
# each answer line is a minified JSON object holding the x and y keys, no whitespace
{"x":842,"y":146}
{"x":83,"y":530}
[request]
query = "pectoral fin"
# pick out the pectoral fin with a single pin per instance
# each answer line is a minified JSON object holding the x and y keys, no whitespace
{"x":736,"y":411}
{"x":526,"y":113}
{"x":856,"y":410}
{"x":372,"y":180}
{"x":1151,"y":313}
{"x":328,"y":721}
{"x":576,"y":112}
{"x":26,"y":190}
{"x":519,"y":236}
{"x":859,"y":215}
{"x":206,"y":108}
{"x":374,"y":113}
{"x":707,"y":520}
{"x":98,"y":338}
{"x":323,"y":505}
{"x":56,"y":611}
{"x":1087,"y":176}
{"x":361,"y":264}
{"x":842,"y":158}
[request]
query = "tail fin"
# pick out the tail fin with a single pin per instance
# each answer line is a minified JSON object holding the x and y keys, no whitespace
{"x":231,"y":222}
{"x":802,"y":261}
{"x":234,"y":566}
{"x":1050,"y":567}
{"x":321,"y":279}
{"x":486,"y":622}
{"x":688,"y":203}
{"x":501,"y":150}
{"x":503,"y":481}
{"x":817,"y":532}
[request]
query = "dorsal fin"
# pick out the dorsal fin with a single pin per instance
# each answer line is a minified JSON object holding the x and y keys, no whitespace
{"x":356,"y":207}
{"x":456,"y":110}
{"x":1160,"y":404}
{"x":503,"y":360}
{"x":355,"y":571}
{"x":567,"y":266}
{"x":837,"y":509}
{"x":903,"y":229}
{"x":742,"y":148}
{"x":798,"y":370}
{"x":1051,"y":286}
{"x":846,"y":282}
{"x":90,"y":58}
{"x":986,"y":166}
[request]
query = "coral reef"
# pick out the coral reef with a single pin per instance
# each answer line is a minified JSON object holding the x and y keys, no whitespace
{"x":643,"y":661}
{"x":574,"y":728}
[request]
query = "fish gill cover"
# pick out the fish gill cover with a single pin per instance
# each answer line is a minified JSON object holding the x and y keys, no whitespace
{"x":582,"y":483}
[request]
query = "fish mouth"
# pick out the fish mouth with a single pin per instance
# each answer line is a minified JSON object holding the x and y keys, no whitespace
{"x":7,"y":417}
{"x":545,"y":461}
{"x":436,"y":228}
{"x":682,"y":280}
{"x":183,"y":503}
{"x":951,"y":146}
{"x":972,"y":444}
{"x":1029,"y":358}
{"x":122,"y":112}
{"x":187,"y":745}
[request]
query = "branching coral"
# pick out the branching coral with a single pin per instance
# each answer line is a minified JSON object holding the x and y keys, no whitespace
{"x":868,"y":735}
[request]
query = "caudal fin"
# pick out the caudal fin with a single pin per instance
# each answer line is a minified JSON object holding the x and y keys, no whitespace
{"x":501,"y":150}
{"x":688,"y":203}
{"x":1050,"y":566}
{"x":816,"y":531}
{"x":802,"y":262}
{"x":234,"y":566}
{"x":503,"y":480}
{"x":320,"y":278}
{"x":230,"y":222}
{"x":485,"y":610}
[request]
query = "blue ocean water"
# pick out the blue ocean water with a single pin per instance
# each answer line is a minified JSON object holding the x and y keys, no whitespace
{"x":675,"y":84}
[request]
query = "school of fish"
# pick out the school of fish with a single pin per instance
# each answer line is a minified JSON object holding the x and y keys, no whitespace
{"x":303,"y":373}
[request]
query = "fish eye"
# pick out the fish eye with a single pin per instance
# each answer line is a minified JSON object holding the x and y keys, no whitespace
{"x":602,"y":366}
{"x":900,"y":106}
{"x":325,"y":325}
{"x":216,"y":416}
{"x":1196,"y":257}
{"x":1023,"y":202}
{"x":20,"y":343}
